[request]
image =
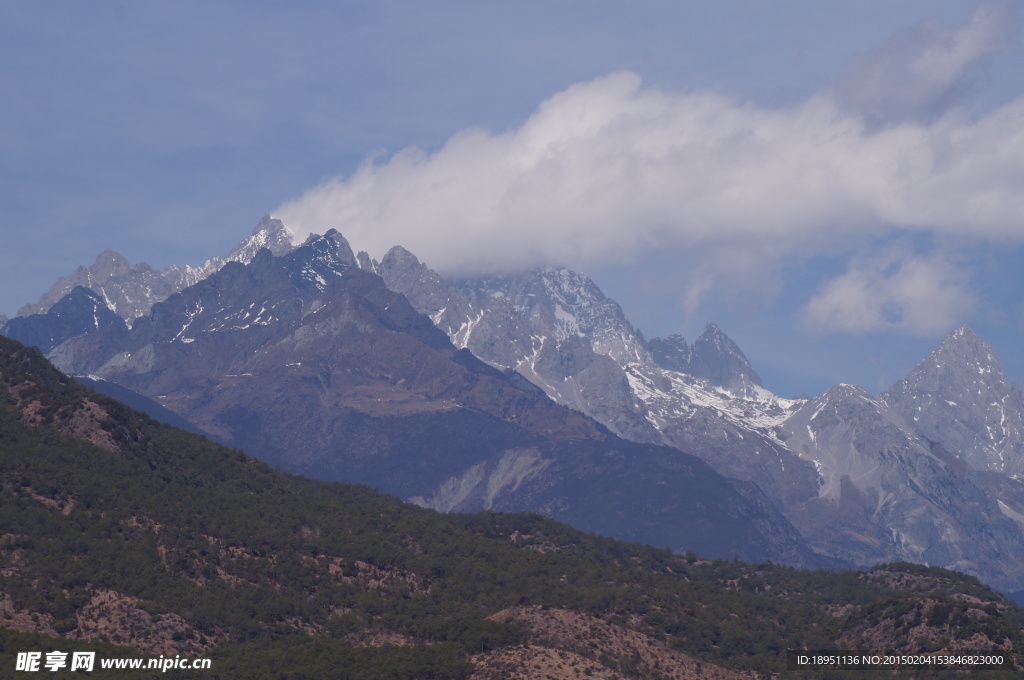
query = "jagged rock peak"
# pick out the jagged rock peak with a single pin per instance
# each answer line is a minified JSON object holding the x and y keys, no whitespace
{"x":77,"y":294}
{"x":961,"y":357}
{"x":570,"y":280}
{"x":111,"y":263}
{"x":399,"y":257}
{"x":269,"y":233}
{"x":109,"y":269}
{"x":718,"y":359}
{"x":960,"y":397}
{"x":320,"y":259}
{"x":426,"y":290}
{"x":713,"y":334}
{"x":965,"y":342}
{"x":367,"y":263}
{"x":272,"y":226}
{"x":333,"y":244}
{"x":713,"y":357}
{"x":130,"y":291}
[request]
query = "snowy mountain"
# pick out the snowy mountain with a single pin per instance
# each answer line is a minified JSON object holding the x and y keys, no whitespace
{"x":866,"y":479}
{"x":131,"y":290}
{"x":563,"y":304}
{"x":311,"y":363}
{"x":928,"y":471}
{"x":555,"y":327}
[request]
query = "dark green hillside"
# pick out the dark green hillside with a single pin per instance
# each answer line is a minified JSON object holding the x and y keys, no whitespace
{"x":118,"y":531}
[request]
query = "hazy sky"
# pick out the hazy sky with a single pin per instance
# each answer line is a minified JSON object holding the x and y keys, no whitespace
{"x":837,"y":185}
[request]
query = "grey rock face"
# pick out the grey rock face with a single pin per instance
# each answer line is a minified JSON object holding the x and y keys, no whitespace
{"x":269,"y":233}
{"x":131,"y":290}
{"x":719,"y":360}
{"x":426,"y":290}
{"x":365,"y":262}
{"x":561,"y":303}
{"x":960,"y":397}
{"x":127,"y":290}
{"x":888,"y":494}
{"x":737,"y":436}
{"x":672,"y":353}
{"x":557,"y":328}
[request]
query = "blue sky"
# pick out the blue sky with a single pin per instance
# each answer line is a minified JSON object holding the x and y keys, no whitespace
{"x":837,"y":185}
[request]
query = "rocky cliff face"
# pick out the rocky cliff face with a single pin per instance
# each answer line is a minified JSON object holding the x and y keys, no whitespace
{"x":672,"y":353}
{"x":713,"y":357}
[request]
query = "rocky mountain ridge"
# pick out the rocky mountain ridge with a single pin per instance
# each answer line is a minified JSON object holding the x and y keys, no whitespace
{"x":131,"y":290}
{"x":313,"y":364}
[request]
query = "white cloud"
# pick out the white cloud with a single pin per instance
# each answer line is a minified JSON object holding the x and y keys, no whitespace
{"x":894,"y":290}
{"x":609,"y":171}
{"x":919,"y":73}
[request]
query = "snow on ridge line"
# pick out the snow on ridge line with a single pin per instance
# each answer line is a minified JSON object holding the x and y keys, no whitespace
{"x":687,"y":394}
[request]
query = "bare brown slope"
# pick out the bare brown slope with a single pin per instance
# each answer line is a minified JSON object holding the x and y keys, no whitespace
{"x":569,"y":645}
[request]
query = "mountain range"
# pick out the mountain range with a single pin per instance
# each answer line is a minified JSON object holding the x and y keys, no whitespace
{"x":131,"y":539}
{"x":313,"y":364}
{"x":534,"y":392}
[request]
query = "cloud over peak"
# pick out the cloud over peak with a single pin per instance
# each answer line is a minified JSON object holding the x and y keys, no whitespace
{"x":609,"y":170}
